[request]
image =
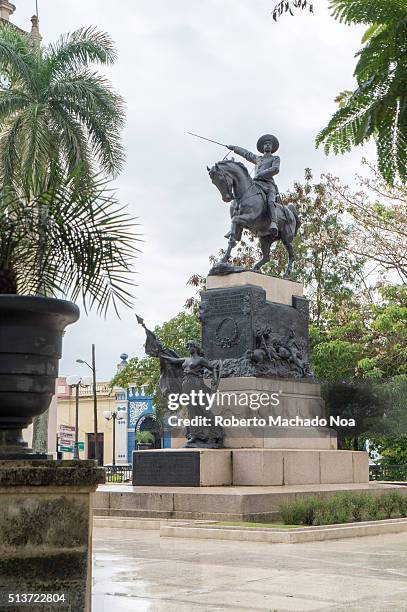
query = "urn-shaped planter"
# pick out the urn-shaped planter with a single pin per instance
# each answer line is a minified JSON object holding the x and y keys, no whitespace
{"x":31,"y":330}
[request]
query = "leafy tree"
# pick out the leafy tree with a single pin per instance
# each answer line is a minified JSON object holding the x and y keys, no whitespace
{"x":55,"y":110}
{"x":364,"y":339}
{"x":336,"y":359}
{"x":329,"y":273}
{"x":379,"y":221}
{"x":393,"y":449}
{"x":392,"y":445}
{"x":364,"y":401}
{"x":378,"y":106}
{"x":396,"y":389}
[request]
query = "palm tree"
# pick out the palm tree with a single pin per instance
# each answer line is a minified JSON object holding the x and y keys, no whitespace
{"x":378,"y":106}
{"x":56,"y":110}
{"x":61,"y":233}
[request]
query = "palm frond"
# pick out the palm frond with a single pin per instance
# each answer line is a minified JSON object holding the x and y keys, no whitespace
{"x":74,"y":152}
{"x":35,"y":148}
{"x":16,"y":57}
{"x":81,"y":48}
{"x":73,"y":243}
{"x":373,"y":30}
{"x":383,"y":53}
{"x":9,"y":150}
{"x":12,"y":101}
{"x":91,"y":115}
{"x":375,"y":112}
{"x":88,"y":100}
{"x":99,"y":111}
{"x":93,"y":245}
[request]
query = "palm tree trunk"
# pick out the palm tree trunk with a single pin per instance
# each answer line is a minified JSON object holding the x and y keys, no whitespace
{"x":8,"y":282}
{"x":40,"y":424}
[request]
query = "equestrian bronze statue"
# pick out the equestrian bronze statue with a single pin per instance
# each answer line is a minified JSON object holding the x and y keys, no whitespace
{"x":255,"y":203}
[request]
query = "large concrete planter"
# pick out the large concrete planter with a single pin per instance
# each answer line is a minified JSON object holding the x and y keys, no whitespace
{"x":31,"y":330}
{"x":46,"y":532}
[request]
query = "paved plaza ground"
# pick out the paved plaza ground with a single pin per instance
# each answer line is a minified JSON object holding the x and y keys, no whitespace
{"x":136,"y":570}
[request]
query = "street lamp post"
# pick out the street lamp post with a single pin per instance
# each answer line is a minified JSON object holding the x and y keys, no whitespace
{"x":112,"y":415}
{"x":75,"y":382}
{"x":76,"y":444}
{"x":95,"y":400}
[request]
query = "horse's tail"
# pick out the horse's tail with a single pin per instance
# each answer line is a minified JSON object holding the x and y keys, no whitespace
{"x":297,"y":218}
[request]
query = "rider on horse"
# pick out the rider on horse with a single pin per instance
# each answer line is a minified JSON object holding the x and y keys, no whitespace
{"x":267,"y":166}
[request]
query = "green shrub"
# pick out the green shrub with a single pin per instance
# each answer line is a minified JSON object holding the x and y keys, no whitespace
{"x":390,"y":504}
{"x":359,"y":505}
{"x":403,"y":505}
{"x":330,"y":512}
{"x":145,"y":437}
{"x":344,"y":507}
{"x":301,"y":512}
{"x":375,"y":510}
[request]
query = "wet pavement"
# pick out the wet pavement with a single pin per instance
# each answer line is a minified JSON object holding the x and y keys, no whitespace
{"x":136,"y":570}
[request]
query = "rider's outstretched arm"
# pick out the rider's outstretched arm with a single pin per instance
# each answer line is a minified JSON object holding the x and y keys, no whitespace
{"x":251,"y":157}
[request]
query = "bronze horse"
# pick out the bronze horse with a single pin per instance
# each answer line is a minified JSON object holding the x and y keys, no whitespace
{"x":249,"y":211}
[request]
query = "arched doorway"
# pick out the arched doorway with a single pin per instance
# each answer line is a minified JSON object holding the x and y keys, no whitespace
{"x":149,"y":422}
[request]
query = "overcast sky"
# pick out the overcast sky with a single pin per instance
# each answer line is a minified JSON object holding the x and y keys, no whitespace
{"x":221,"y":68}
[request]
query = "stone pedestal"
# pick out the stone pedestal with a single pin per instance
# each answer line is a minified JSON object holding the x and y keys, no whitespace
{"x":255,"y":329}
{"x":256,"y":326}
{"x":248,"y":312}
{"x":278,"y":290}
{"x":248,"y":467}
{"x":263,"y":467}
{"x":45,"y":529}
{"x":297,"y":399}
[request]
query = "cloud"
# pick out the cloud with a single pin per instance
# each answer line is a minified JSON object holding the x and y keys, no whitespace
{"x":223,"y":69}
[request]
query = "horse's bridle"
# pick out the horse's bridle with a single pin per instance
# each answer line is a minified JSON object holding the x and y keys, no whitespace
{"x":228,"y":181}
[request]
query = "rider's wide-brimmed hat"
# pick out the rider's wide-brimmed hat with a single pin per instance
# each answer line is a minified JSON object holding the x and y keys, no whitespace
{"x":265,"y":138}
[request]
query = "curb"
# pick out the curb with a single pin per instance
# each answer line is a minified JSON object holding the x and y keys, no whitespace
{"x":110,"y":522}
{"x":282,"y":536}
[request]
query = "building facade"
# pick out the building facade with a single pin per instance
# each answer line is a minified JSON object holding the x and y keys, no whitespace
{"x":133,"y":403}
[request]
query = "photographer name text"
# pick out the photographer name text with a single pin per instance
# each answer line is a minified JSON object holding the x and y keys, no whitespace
{"x":255,"y":421}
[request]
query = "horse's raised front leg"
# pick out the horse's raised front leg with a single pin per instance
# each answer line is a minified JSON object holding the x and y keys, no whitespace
{"x":265,"y":244}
